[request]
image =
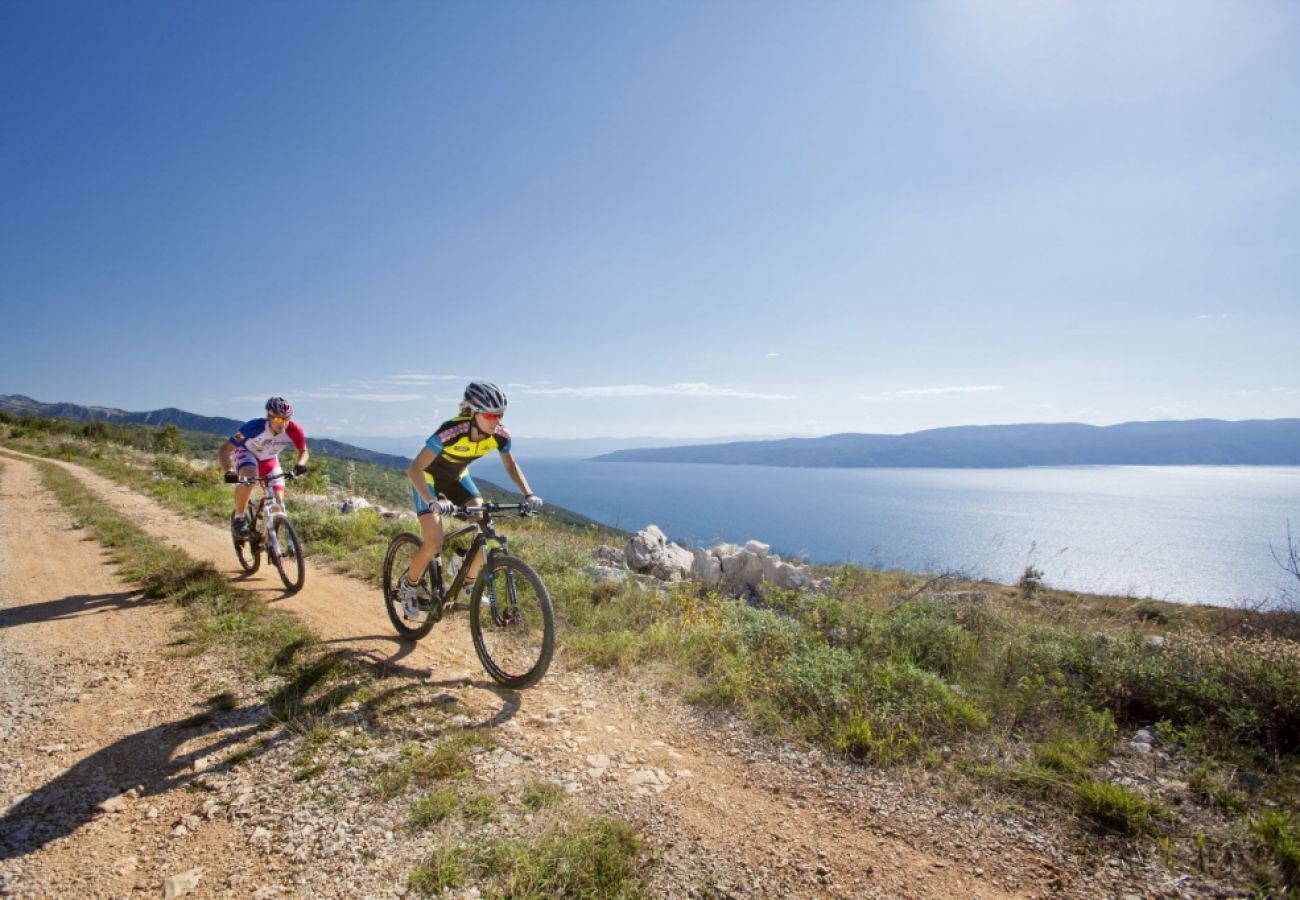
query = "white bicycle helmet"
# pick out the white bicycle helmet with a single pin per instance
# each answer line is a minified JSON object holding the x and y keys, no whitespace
{"x":483,"y":396}
{"x":278,"y":406}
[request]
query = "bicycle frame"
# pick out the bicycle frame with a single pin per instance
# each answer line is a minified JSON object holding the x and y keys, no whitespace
{"x":266,"y":508}
{"x":511,"y":619}
{"x":485,"y":531}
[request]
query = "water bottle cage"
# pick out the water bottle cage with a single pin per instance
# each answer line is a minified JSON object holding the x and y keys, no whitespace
{"x":454,"y":563}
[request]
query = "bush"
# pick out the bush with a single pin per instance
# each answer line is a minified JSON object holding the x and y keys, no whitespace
{"x":1279,"y":833}
{"x":598,"y":858}
{"x":1113,"y":807}
{"x":1031,"y":580}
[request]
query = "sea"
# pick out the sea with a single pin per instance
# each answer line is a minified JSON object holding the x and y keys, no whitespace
{"x":1195,"y":534}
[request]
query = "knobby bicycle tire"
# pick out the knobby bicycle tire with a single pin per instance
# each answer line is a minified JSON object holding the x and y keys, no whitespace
{"x":512,"y":622}
{"x":396,"y":560}
{"x":249,"y":549}
{"x":248,"y":552}
{"x":288,"y":561}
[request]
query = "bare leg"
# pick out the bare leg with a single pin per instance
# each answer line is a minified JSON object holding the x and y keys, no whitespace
{"x":431,"y":532}
{"x":244,"y":491}
{"x":475,"y":562}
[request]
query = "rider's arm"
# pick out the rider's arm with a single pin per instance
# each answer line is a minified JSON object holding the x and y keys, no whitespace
{"x":225,"y":456}
{"x":515,"y":473}
{"x":293,"y":431}
{"x":415,"y":472}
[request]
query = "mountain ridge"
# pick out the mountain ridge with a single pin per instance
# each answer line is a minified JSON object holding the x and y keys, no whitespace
{"x":1173,"y":442}
{"x":219,"y":425}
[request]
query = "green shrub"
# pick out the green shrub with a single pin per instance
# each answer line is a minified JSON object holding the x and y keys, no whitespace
{"x":538,"y":794}
{"x":1031,"y":581}
{"x":596,"y":859}
{"x":433,"y":808}
{"x":444,"y":869}
{"x":928,"y":635}
{"x":1279,"y":833}
{"x":1114,"y":807}
{"x":819,"y":680}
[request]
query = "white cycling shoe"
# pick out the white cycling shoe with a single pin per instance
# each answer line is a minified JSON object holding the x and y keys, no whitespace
{"x":409,"y":594}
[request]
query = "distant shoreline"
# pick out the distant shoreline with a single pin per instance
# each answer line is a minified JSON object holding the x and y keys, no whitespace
{"x":1199,"y":442}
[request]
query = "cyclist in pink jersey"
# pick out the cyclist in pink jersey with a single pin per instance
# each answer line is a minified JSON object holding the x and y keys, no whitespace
{"x":254,"y":450}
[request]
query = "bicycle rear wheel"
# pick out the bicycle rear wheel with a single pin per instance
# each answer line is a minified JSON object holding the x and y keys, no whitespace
{"x":512,"y":623}
{"x":413,"y":623}
{"x":286,"y":554}
{"x":248,"y":551}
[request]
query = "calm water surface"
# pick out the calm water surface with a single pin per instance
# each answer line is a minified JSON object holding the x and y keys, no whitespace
{"x":1186,"y":533}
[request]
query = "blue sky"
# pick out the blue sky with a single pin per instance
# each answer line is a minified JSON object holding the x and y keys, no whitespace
{"x":670,"y":219}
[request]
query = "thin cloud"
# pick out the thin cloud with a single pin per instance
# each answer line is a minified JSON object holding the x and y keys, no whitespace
{"x":399,"y":388}
{"x":414,"y":378}
{"x":683,"y":389}
{"x":773,"y":355}
{"x":362,"y":396}
{"x":934,"y":392}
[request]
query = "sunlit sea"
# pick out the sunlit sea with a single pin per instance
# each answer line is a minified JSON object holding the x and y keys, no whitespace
{"x":1184,"y":533}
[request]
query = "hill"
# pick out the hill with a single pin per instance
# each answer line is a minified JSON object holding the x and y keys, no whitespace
{"x":1212,"y":442}
{"x":186,"y":421}
{"x":378,"y":476}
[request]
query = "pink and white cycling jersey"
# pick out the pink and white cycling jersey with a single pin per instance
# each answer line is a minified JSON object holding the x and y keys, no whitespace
{"x":256,"y":439}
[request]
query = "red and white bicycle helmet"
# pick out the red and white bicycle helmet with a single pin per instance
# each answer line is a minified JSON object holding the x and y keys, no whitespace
{"x":278,"y":406}
{"x":483,"y":396}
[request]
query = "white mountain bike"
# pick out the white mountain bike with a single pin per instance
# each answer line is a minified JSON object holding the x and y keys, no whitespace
{"x":269,"y":528}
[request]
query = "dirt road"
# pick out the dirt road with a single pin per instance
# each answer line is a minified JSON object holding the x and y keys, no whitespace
{"x":97,"y":702}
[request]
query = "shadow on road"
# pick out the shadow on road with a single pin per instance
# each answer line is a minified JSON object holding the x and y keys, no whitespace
{"x":142,"y":760}
{"x":70,"y":607}
{"x":154,"y":760}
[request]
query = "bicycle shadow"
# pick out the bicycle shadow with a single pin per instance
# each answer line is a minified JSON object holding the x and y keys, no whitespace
{"x":511,"y":700}
{"x":359,"y":649}
{"x":391,"y":667}
{"x":71,"y":607}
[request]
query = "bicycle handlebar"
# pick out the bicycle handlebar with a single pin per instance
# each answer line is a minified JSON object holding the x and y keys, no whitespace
{"x":464,"y":512}
{"x":263,"y":479}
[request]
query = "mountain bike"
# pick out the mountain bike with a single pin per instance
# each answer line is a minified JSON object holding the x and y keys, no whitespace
{"x":269,"y":527}
{"x":510,"y":616}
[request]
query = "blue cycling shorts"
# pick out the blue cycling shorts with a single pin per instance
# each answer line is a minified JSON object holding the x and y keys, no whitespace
{"x":458,"y":492}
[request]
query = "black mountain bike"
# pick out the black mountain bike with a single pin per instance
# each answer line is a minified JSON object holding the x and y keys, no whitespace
{"x":269,"y":528}
{"x":510,"y":615}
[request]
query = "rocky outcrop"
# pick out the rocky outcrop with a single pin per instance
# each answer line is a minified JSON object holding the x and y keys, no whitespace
{"x":649,"y":552}
{"x":741,"y":571}
{"x":350,"y":505}
{"x":727,"y":568}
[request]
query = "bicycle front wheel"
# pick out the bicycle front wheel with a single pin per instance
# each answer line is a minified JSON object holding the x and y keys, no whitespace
{"x":511,"y":621}
{"x":413,"y":621}
{"x":286,"y":554}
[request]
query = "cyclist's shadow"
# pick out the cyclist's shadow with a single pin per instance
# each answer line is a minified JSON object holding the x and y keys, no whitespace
{"x":143,"y":759}
{"x":72,"y":606}
{"x":148,"y":759}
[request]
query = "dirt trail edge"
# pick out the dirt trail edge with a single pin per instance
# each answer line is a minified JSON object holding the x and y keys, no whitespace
{"x":103,"y":785}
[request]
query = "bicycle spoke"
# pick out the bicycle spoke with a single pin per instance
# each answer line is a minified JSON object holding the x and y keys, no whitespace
{"x":286,"y":554}
{"x":512,"y":623}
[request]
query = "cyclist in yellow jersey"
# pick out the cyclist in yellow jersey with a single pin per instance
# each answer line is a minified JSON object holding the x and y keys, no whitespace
{"x":441,"y":470}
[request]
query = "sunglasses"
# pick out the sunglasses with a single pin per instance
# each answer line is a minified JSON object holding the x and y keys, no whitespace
{"x":493,"y":417}
{"x":278,"y":418}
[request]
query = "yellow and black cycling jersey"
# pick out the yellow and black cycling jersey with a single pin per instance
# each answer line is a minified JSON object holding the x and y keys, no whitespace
{"x":454,"y":448}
